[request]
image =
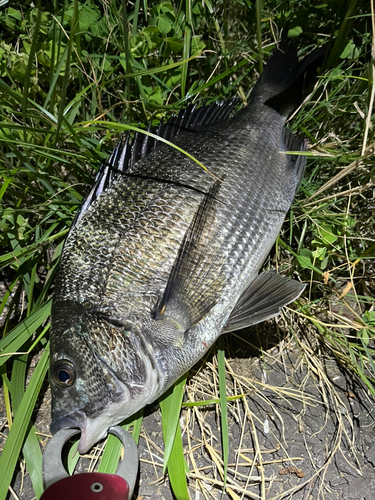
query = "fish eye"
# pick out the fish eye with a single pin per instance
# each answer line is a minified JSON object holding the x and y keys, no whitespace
{"x":64,"y":374}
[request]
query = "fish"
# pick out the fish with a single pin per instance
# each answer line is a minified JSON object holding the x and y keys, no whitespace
{"x":164,"y":256}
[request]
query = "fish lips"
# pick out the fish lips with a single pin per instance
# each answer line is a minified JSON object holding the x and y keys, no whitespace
{"x":76,"y":420}
{"x":92,"y":430}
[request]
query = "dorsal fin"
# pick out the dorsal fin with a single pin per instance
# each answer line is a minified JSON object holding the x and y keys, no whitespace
{"x":196,"y":280}
{"x":129,"y":151}
{"x":195,"y":118}
{"x":109,"y":170}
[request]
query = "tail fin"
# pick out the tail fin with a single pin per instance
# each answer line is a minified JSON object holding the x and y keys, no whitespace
{"x":285,"y":81}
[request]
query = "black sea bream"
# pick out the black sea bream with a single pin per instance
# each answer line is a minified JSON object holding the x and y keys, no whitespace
{"x":163,"y":257}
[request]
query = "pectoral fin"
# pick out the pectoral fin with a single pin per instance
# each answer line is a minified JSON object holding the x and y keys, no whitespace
{"x":196,"y":280}
{"x":263,"y":299}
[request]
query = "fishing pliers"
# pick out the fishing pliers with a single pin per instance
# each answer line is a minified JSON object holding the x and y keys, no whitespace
{"x":92,"y":485}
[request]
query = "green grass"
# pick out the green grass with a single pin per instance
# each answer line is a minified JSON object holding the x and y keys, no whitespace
{"x":74,"y":75}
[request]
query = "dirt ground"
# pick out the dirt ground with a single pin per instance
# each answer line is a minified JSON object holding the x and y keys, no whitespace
{"x":304,"y":431}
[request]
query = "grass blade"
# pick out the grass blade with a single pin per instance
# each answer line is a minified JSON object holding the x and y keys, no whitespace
{"x":342,"y":37}
{"x":112,"y":450}
{"x":65,"y":83}
{"x":126,"y":47}
{"x":31,"y":449}
{"x":34,"y":459}
{"x":186,"y":48}
{"x":177,"y":469}
{"x":223,"y":407}
{"x":30,"y":64}
{"x":17,"y":433}
{"x":170,"y":405}
{"x":259,"y":7}
{"x":55,"y":78}
{"x":73,"y":457}
{"x":21,"y":333}
{"x":135,"y":17}
{"x":118,"y":126}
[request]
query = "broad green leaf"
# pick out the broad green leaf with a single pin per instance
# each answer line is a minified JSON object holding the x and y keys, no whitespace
{"x":305,"y":260}
{"x":327,"y":233}
{"x":14,"y":13}
{"x":175,"y":44}
{"x":369,"y":318}
{"x":165,"y":23}
{"x":349,"y":50}
{"x":295,"y":32}
{"x":319,"y":253}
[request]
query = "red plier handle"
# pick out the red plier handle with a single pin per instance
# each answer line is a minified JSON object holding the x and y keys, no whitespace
{"x":92,"y":485}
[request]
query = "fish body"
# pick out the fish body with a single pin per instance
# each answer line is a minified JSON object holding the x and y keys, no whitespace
{"x":164,"y":257}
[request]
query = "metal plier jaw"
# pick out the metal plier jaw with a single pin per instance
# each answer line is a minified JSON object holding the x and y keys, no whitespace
{"x":92,"y":485}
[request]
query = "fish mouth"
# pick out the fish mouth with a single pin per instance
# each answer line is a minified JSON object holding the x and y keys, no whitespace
{"x":90,"y":433}
{"x":75,"y":420}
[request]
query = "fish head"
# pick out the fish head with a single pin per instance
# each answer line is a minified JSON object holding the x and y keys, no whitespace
{"x":87,"y":393}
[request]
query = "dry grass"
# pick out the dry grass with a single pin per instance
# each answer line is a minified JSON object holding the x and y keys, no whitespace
{"x":260,"y":416}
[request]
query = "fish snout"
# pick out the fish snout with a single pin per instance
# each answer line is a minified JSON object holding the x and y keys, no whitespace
{"x":90,"y":433}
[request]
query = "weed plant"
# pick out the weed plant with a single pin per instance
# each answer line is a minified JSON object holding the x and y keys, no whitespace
{"x":74,"y":75}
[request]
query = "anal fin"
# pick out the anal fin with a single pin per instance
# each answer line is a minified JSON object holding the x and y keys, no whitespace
{"x":263,"y":299}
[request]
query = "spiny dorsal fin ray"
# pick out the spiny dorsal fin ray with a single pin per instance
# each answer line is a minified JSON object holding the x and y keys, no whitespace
{"x":196,"y":279}
{"x":129,"y":151}
{"x":109,"y":170}
{"x":263,"y":299}
{"x":194,"y":119}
